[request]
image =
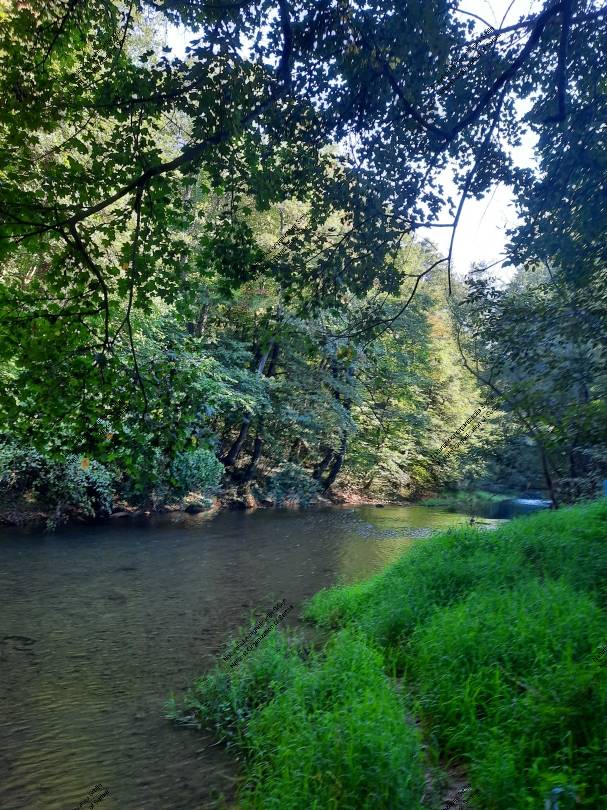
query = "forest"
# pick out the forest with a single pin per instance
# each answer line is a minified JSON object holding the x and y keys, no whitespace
{"x":220,"y":292}
{"x":210,"y":270}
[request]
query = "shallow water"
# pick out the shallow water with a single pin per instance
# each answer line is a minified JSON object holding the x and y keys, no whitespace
{"x":98,"y":624}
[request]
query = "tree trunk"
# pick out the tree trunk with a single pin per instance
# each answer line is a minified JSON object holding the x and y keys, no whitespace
{"x":337,"y":463}
{"x":234,"y":451}
{"x":340,"y":455}
{"x":322,"y":465}
{"x":257,"y":449}
{"x":548,"y":478}
{"x":231,"y":457}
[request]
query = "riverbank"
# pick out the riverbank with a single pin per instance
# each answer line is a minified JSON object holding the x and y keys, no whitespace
{"x":465,"y":500}
{"x":99,"y":621}
{"x":24,"y":513}
{"x":479,"y":650}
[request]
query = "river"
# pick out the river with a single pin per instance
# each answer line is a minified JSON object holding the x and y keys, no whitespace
{"x":99,"y":623}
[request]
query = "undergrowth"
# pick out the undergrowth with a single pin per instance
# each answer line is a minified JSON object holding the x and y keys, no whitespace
{"x":497,"y":636}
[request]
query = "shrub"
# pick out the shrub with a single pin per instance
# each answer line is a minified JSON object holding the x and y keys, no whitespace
{"x":60,"y":485}
{"x":195,"y":471}
{"x":292,"y":483}
{"x":75,"y":485}
{"x":20,"y":467}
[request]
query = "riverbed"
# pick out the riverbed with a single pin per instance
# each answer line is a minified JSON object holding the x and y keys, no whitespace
{"x":99,"y":623}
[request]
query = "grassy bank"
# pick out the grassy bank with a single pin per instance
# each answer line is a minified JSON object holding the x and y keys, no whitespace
{"x":463,"y":500}
{"x":498,"y":640}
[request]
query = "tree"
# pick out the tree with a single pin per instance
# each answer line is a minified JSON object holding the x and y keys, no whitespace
{"x":539,"y":345}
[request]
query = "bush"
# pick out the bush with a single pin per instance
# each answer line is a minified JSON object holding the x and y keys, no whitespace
{"x":195,"y":471}
{"x":59,"y":485}
{"x":74,"y":485}
{"x":20,"y":467}
{"x":292,"y":483}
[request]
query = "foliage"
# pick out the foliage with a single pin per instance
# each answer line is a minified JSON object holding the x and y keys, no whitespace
{"x":195,"y":471}
{"x":541,"y":344}
{"x":20,"y":467}
{"x":63,"y":486}
{"x":78,"y":484}
{"x":189,"y":260}
{"x":291,"y":483}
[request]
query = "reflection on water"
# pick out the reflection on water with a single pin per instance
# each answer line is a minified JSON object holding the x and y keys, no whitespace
{"x":98,"y":623}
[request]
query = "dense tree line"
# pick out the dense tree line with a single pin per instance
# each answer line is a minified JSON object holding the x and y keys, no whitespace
{"x":212,"y":260}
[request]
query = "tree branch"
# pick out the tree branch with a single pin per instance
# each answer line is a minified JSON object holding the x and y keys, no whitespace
{"x":540,"y":23}
{"x":561,"y":70}
{"x":468,"y":182}
{"x":80,"y":247}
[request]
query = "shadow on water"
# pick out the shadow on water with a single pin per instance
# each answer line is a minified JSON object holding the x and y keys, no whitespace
{"x":514,"y":507}
{"x":99,"y":623}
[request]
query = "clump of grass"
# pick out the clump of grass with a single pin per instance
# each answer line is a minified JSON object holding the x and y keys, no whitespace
{"x":506,"y":680}
{"x":225,"y":698}
{"x":336,"y":739}
{"x":431,"y":575}
{"x":326,"y":733}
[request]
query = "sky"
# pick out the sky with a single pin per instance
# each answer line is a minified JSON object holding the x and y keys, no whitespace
{"x":481,"y":232}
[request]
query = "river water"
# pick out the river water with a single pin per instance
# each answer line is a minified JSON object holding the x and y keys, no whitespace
{"x":98,"y":624}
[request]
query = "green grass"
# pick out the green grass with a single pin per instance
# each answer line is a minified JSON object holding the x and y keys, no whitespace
{"x":466,"y":500}
{"x":328,"y":733}
{"x":497,"y":636}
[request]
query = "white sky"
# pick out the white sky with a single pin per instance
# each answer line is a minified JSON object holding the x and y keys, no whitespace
{"x":481,"y":233}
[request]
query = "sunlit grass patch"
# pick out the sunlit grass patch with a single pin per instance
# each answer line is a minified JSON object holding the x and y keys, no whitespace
{"x":497,"y":636}
{"x":326,"y":733}
{"x":336,"y":739}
